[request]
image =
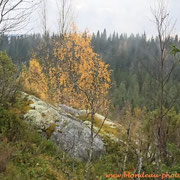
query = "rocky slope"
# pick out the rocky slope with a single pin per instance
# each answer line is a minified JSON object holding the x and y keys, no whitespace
{"x":66,"y":130}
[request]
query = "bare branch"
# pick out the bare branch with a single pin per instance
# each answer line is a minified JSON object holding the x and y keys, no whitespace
{"x":101,"y":126}
{"x":66,"y":16}
{"x":43,"y":17}
{"x":14,"y":14}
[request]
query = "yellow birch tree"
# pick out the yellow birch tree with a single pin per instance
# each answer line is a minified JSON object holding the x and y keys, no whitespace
{"x":84,"y":80}
{"x":34,"y":80}
{"x":81,"y":74}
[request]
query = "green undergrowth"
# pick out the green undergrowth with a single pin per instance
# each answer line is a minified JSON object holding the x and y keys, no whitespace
{"x":26,"y":155}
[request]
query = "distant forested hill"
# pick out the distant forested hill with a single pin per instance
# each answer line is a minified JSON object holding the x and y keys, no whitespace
{"x":131,"y":59}
{"x":134,"y":61}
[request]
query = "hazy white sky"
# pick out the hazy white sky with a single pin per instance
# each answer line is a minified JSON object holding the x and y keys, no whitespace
{"x":123,"y":16}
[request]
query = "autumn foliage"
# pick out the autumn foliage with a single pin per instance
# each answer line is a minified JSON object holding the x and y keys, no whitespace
{"x":78,"y":77}
{"x":34,"y":80}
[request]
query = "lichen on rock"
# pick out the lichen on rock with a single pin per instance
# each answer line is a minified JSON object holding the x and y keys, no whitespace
{"x":63,"y":128}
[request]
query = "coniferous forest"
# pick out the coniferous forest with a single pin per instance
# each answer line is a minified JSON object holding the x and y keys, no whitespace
{"x":131,"y":59}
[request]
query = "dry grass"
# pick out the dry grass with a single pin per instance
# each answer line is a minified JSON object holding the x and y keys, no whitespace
{"x":5,"y":154}
{"x":107,"y":129}
{"x":50,"y":130}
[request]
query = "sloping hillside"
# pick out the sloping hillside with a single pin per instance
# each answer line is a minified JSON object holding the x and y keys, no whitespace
{"x":27,"y":150}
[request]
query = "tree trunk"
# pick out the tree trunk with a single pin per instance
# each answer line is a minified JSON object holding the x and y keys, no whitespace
{"x":140,"y":160}
{"x":88,"y":165}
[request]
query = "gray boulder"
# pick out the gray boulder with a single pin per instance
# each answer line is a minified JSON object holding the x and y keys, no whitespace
{"x":70,"y":134}
{"x":73,"y":137}
{"x":71,"y":111}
